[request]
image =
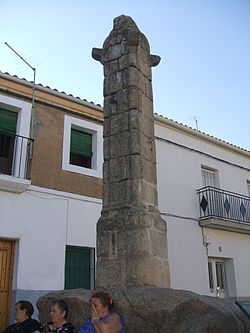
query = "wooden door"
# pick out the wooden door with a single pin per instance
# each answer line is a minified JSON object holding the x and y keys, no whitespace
{"x":6,"y":275}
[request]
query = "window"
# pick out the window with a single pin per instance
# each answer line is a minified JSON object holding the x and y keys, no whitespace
{"x":208,"y":177}
{"x":79,"y":268}
{"x":8,"y":122}
{"x":221,"y":274}
{"x":14,"y":136}
{"x":217,"y":277}
{"x":248,"y":187}
{"x":82,"y":147}
{"x":210,"y":275}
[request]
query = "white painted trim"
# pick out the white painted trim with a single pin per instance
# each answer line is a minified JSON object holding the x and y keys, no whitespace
{"x":13,"y":184}
{"x":24,"y":111}
{"x":62,"y":194}
{"x":97,"y":146}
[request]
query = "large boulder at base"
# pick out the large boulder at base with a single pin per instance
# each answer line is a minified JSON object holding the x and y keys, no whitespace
{"x":153,"y":309}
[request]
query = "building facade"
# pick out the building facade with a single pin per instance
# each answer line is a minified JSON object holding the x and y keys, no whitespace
{"x":50,"y":199}
{"x":204,"y":194}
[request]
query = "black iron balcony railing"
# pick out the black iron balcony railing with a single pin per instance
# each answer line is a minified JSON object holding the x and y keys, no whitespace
{"x":15,"y":155}
{"x":217,"y":203}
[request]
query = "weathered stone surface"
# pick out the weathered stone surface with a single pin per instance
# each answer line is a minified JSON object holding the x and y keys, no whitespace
{"x":131,"y":235}
{"x":119,"y":123}
{"x":153,"y":309}
{"x":134,"y":99}
{"x":137,"y":247}
{"x":118,"y":167}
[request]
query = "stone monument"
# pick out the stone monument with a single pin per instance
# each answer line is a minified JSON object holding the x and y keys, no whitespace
{"x":132,"y":262}
{"x":131,"y":235}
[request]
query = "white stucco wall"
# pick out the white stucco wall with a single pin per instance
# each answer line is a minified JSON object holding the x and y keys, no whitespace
{"x":42,"y":222}
{"x":188,"y":267}
{"x":179,"y":177}
{"x":235,"y":246}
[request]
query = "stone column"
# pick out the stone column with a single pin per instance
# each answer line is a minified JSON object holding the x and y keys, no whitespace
{"x":131,"y":235}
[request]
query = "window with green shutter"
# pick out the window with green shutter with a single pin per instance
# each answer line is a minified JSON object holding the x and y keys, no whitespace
{"x":8,"y":121}
{"x":80,"y":148}
{"x":77,"y":268}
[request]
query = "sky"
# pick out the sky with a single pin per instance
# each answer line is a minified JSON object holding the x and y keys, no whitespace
{"x":203,"y":78}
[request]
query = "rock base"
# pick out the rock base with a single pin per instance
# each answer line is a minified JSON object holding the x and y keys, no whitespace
{"x":153,"y":309}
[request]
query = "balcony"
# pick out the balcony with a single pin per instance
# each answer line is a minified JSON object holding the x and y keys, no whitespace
{"x":15,"y":162}
{"x":224,"y":210}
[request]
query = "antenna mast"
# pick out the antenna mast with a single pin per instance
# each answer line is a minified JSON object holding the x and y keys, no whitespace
{"x":33,"y":92}
{"x":196,"y":122}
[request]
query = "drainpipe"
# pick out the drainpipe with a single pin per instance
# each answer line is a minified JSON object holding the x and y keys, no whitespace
{"x":32,"y":106}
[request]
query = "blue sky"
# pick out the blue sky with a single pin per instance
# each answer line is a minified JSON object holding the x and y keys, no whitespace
{"x":204,"y":47}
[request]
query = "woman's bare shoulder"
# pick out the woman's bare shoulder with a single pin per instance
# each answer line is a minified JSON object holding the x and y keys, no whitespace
{"x":114,"y":317}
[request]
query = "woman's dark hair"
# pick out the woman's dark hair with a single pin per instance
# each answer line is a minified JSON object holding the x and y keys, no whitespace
{"x":26,"y":305}
{"x":105,"y":299}
{"x":62,"y":305}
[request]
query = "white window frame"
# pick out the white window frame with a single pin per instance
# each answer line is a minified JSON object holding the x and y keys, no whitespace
{"x":248,"y":187}
{"x":96,"y":131}
{"x":23,"y":109}
{"x":216,"y":291}
{"x":212,"y":172}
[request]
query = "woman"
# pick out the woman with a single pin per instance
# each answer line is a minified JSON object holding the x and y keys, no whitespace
{"x":58,"y":314}
{"x":101,"y":319}
{"x":24,"y":323}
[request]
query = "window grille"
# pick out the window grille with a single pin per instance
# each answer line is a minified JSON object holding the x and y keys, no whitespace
{"x":78,"y":268}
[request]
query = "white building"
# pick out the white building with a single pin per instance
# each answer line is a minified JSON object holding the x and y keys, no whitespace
{"x":49,"y":209}
{"x":204,"y":189}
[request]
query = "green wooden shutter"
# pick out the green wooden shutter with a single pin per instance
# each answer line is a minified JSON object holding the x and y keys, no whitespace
{"x":81,"y":143}
{"x":8,"y":121}
{"x":77,"y":268}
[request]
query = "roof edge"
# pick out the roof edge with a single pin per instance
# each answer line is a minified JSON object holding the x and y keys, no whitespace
{"x":158,"y":118}
{"x":48,"y":90}
{"x":189,"y":130}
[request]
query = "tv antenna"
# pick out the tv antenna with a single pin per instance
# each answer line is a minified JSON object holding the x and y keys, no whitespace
{"x":196,"y":123}
{"x":33,"y":91}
